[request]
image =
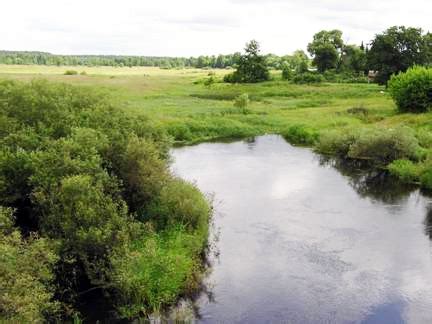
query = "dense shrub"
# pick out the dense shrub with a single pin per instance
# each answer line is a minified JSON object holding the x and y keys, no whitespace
{"x":308,"y":77}
{"x":287,"y":73}
{"x":150,"y":272}
{"x":379,"y":146}
{"x":83,"y":175}
{"x":384,"y":146}
{"x":344,"y":77}
{"x":336,"y":142}
{"x":26,"y":275}
{"x":242,"y":101}
{"x":405,"y":170}
{"x":71,"y":72}
{"x":300,"y":134}
{"x":180,"y":203}
{"x":412,"y":90}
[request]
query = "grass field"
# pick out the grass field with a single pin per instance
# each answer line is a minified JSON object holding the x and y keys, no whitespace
{"x":191,"y":112}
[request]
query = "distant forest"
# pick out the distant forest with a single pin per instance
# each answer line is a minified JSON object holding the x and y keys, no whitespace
{"x":42,"y":58}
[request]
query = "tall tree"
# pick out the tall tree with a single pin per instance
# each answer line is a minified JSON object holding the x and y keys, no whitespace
{"x":325,"y":49}
{"x":252,"y":66}
{"x":353,"y":59}
{"x":397,"y":49}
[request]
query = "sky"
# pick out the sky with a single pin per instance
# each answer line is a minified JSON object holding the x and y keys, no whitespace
{"x":196,"y":27}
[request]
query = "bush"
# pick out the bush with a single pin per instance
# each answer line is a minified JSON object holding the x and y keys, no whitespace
{"x":287,"y":73}
{"x":26,"y":275}
{"x":412,"y":90}
{"x":405,"y":170}
{"x":231,"y":78}
{"x":242,"y":101}
{"x":336,"y":142}
{"x":308,"y":77}
{"x":379,"y":146}
{"x":81,"y":176}
{"x":150,"y":272}
{"x":71,"y":72}
{"x":426,"y":179}
{"x":180,"y":203}
{"x":300,"y":134}
{"x":384,"y":146}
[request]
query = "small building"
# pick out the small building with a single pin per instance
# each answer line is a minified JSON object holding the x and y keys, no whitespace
{"x":372,"y":75}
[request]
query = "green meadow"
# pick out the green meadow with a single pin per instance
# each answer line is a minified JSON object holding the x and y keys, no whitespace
{"x":192,"y":111}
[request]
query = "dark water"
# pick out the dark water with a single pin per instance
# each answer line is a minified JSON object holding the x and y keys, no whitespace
{"x":304,"y":241}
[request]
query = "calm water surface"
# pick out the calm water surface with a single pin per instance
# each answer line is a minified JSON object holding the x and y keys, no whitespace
{"x":302,"y":241}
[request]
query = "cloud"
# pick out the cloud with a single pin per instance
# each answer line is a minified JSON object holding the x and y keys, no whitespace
{"x":195,"y":27}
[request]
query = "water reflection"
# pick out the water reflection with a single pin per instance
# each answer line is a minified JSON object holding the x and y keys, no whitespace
{"x":306,"y":240}
{"x":428,"y":222}
{"x":368,"y":182}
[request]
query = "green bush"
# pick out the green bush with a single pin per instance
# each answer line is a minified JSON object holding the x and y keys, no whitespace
{"x":412,"y":90}
{"x":180,"y":203}
{"x":405,"y":170}
{"x":150,"y":272}
{"x":426,"y":179}
{"x":300,"y":134}
{"x":81,"y":176}
{"x":71,"y":72}
{"x":384,"y":146}
{"x":336,"y":142}
{"x":26,"y":275}
{"x":287,"y":73}
{"x":242,"y":101}
{"x":379,"y":146}
{"x":308,"y":77}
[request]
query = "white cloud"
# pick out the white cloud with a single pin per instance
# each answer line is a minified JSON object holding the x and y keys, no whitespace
{"x":194,"y":27}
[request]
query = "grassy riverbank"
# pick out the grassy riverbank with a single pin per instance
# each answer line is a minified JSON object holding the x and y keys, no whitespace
{"x":191,"y":112}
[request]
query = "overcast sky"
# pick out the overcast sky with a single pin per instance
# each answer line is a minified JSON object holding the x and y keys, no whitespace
{"x":195,"y":27}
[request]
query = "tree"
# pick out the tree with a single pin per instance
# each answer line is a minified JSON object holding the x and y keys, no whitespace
{"x":326,"y":49}
{"x":353,"y":58}
{"x":300,"y":61}
{"x":397,"y":49}
{"x":252,"y":67}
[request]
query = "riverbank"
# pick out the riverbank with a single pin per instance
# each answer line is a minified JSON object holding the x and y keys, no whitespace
{"x":191,"y":112}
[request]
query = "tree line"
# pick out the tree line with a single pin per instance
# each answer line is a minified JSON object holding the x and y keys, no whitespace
{"x":393,"y":51}
{"x":213,"y":61}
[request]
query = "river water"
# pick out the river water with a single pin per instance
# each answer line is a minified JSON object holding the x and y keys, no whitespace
{"x":300,"y":240}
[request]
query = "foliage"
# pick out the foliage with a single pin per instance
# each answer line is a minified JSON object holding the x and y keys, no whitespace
{"x":180,"y":203}
{"x":405,"y":170}
{"x":412,"y":90}
{"x":397,"y":49}
{"x":374,"y":145}
{"x":82,"y":174}
{"x":150,"y":272}
{"x":251,"y":66}
{"x":71,"y":72}
{"x":242,"y":101}
{"x":301,"y":134}
{"x":308,"y":77}
{"x":287,"y":73}
{"x":26,"y":275}
{"x":325,"y":49}
{"x":353,"y":59}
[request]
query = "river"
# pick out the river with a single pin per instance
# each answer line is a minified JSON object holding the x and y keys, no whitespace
{"x":297,"y":239}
